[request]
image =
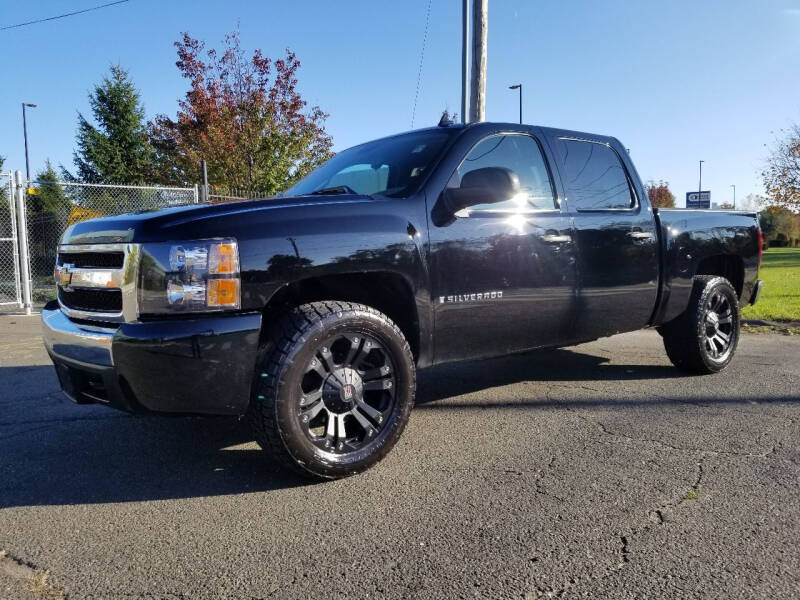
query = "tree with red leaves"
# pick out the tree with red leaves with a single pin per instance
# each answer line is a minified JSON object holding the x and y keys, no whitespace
{"x":659,"y":194}
{"x":244,"y":117}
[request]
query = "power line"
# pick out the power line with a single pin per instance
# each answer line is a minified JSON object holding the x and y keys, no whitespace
{"x":77,"y":12}
{"x":421,"y":58}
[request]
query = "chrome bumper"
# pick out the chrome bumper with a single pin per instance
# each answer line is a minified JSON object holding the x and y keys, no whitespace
{"x":68,"y":340}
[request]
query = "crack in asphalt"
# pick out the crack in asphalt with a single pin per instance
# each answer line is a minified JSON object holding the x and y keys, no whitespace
{"x":656,"y":516}
{"x":34,"y":578}
{"x":664,"y":445}
{"x":625,"y":539}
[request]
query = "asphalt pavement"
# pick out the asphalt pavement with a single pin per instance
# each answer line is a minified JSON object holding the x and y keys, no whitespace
{"x":595,"y":471}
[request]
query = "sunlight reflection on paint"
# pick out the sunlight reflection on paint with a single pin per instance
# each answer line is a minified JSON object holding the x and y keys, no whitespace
{"x":520,"y":199}
{"x":517,"y":221}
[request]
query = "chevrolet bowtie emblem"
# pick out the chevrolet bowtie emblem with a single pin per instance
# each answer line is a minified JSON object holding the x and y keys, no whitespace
{"x":63,"y":274}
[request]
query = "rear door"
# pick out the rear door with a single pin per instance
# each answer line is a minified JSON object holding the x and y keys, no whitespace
{"x":617,"y":244}
{"x":503,"y":275}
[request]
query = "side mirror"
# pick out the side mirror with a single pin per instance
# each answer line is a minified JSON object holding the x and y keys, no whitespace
{"x":488,"y":185}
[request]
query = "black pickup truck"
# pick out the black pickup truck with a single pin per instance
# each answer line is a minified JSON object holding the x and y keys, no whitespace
{"x":309,"y":313}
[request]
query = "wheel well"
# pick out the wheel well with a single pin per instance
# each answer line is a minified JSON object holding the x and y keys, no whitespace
{"x":725,"y":265}
{"x":389,"y":293}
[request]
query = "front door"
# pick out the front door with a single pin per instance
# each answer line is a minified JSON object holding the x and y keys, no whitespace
{"x":503,"y":275}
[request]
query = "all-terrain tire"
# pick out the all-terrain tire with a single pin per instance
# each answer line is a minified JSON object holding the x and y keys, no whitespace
{"x":302,"y":337}
{"x":703,"y":339}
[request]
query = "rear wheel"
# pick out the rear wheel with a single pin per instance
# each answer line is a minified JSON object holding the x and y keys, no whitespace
{"x":704,"y":338}
{"x":334,"y":389}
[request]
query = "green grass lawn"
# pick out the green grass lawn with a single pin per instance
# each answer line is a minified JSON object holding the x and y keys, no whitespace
{"x":780,"y":298}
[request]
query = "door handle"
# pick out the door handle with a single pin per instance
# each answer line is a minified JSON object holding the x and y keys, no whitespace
{"x":556,"y":239}
{"x":640,"y":235}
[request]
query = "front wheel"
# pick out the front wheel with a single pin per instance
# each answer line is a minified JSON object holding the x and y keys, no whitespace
{"x":704,"y":338}
{"x":334,"y":389}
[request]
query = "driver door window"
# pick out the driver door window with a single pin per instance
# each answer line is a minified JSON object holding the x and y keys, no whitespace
{"x":520,"y":153}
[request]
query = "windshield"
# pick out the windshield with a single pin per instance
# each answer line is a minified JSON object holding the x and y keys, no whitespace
{"x":390,"y":167}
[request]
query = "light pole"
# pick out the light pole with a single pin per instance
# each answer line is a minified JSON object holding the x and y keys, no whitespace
{"x":733,"y":185}
{"x":25,"y":133}
{"x":700,"y":185}
{"x":518,"y":87}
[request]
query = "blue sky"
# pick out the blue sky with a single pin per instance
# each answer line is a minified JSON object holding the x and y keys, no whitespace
{"x":676,"y":81}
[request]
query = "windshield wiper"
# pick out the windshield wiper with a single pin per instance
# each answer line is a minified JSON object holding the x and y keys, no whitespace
{"x":339,"y":189}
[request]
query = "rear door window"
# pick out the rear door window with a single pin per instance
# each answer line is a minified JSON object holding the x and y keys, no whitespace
{"x":595,"y":176}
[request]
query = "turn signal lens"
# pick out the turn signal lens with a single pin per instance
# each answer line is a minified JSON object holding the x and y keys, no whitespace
{"x":223,"y":293}
{"x":223,"y":259}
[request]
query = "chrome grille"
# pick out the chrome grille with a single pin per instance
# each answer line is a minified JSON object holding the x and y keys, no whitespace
{"x":97,"y":281}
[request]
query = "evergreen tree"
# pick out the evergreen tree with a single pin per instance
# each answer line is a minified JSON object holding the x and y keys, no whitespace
{"x":50,"y":196}
{"x":116,"y":150}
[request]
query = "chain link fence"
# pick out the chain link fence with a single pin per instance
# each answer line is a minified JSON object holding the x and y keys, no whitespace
{"x":10,"y":292}
{"x":217,"y":194}
{"x":52,"y":206}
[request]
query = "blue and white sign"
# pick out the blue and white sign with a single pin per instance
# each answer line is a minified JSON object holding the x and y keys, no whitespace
{"x":698,"y":199}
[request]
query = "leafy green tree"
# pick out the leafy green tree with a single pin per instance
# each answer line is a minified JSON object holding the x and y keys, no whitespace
{"x":780,"y":225}
{"x":116,"y":149}
{"x":50,"y":197}
{"x":766,"y":220}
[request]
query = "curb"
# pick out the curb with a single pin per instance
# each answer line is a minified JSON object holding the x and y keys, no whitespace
{"x":763,"y":323}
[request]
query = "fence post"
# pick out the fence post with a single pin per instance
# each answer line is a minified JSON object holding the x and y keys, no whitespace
{"x":196,"y":194}
{"x":22,"y":238}
{"x":12,"y":209}
{"x":204,"y":176}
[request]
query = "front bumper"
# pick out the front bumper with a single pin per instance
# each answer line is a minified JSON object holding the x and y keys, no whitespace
{"x":202,"y":365}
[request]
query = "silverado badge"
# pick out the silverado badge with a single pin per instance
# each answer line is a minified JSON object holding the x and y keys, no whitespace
{"x":477,"y":297}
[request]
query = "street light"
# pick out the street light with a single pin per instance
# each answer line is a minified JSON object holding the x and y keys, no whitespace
{"x":25,"y":132}
{"x":700,"y":185}
{"x":733,"y":185}
{"x":518,"y":87}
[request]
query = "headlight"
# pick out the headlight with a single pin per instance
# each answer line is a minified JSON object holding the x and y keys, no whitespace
{"x":195,"y":276}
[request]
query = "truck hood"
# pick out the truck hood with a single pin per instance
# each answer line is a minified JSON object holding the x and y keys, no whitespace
{"x":173,"y":223}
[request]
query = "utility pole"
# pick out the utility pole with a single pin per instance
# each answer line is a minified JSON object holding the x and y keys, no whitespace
{"x":733,"y":185}
{"x":518,"y":87}
{"x":464,"y":57}
{"x":480,"y":31}
{"x":25,"y":133}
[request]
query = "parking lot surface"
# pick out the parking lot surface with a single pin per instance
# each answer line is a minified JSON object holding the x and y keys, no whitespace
{"x":594,"y":471}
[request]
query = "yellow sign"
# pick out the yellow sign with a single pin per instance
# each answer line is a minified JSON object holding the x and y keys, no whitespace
{"x":33,"y":191}
{"x":79,"y":213}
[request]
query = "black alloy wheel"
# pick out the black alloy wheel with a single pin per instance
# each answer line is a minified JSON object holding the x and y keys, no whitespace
{"x":347,"y":392}
{"x":703,"y":339}
{"x":718,"y":325}
{"x":334,"y":388}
